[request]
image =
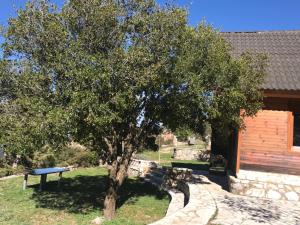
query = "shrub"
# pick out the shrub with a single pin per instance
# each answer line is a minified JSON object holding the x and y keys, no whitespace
{"x":77,"y":155}
{"x":183,"y":133}
{"x":2,"y":163}
{"x":44,"y":158}
{"x":47,"y":161}
{"x":5,"y":172}
{"x":84,"y":159}
{"x":8,"y":170}
{"x":218,"y":161}
{"x":19,"y":170}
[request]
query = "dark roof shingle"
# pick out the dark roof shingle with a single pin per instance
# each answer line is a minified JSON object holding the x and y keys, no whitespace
{"x":282,"y":49}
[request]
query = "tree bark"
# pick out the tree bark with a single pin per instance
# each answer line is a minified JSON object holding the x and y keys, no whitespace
{"x":117,"y":174}
{"x":110,"y":200}
{"x":115,"y":181}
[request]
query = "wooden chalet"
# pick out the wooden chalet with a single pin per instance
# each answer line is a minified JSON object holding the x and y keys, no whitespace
{"x":271,"y":140}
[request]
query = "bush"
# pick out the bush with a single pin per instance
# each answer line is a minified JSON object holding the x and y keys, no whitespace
{"x":218,"y":161}
{"x":183,"y":133}
{"x":77,"y":155}
{"x":8,"y":170}
{"x":5,"y":172}
{"x":84,"y":159}
{"x":2,"y":162}
{"x":47,"y":161}
{"x":44,"y":158}
{"x":19,"y":170}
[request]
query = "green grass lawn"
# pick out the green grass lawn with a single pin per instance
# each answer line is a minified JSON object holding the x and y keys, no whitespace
{"x":78,"y":201}
{"x":167,"y":160}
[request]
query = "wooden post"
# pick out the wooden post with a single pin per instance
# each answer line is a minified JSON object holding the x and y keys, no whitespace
{"x":25,"y":181}
{"x":123,"y":146}
{"x":159,"y":149}
{"x":290,"y":128}
{"x":238,"y":155}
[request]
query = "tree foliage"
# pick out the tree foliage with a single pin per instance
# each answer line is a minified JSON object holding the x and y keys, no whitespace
{"x":107,"y":73}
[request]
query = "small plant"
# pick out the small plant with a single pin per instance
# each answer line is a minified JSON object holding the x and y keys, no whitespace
{"x":218,"y":161}
{"x":218,"y":165}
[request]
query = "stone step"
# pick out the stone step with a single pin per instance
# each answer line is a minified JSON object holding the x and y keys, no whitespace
{"x":177,"y":202}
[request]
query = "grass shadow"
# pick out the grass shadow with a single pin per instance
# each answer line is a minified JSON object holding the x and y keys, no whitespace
{"x":83,"y":194}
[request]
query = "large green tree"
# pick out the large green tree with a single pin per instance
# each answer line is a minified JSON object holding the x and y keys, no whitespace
{"x":107,"y":73}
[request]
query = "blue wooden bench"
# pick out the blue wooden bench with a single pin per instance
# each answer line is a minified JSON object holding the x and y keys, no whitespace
{"x":43,"y":173}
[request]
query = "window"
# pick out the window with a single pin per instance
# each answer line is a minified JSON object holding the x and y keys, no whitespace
{"x":296,"y":141}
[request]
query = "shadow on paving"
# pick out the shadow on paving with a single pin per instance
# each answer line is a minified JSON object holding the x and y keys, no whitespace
{"x":83,"y":194}
{"x":260,"y":213}
{"x":220,"y":180}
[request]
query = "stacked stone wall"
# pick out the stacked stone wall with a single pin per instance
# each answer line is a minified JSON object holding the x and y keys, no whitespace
{"x":139,"y":168}
{"x":192,"y":154}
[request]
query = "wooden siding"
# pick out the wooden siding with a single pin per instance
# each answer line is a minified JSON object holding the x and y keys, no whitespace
{"x":267,"y":131}
{"x":288,"y":162}
{"x":266,"y":143}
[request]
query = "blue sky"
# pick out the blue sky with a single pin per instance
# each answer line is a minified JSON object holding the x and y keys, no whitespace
{"x":225,"y":15}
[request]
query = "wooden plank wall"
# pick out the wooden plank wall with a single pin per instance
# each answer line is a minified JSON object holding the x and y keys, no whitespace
{"x":267,"y":132}
{"x":266,"y":144}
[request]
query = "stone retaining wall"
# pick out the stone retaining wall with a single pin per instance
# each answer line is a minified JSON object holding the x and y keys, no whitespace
{"x":266,"y":185}
{"x":186,"y":154}
{"x":200,"y":208}
{"x":139,"y":168}
{"x":192,"y":154}
{"x":177,"y":178}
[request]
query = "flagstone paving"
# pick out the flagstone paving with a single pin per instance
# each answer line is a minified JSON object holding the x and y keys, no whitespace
{"x":241,"y":210}
{"x":211,"y":204}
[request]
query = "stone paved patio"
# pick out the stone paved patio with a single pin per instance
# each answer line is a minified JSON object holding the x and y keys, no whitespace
{"x":211,"y":204}
{"x":240,"y":210}
{"x":236,"y":210}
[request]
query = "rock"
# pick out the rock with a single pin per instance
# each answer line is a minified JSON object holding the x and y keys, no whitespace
{"x":297,"y":189}
{"x":273,"y":195}
{"x":292,"y":196}
{"x":258,"y":185}
{"x":234,"y":180}
{"x":272,"y":186}
{"x":280,"y":186}
{"x":98,"y":220}
{"x":255,"y":192}
{"x":237,"y":187}
{"x":245,"y":181}
{"x":292,"y":180}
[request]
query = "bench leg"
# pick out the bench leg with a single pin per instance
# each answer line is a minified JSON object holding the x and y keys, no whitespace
{"x":43,"y":181}
{"x":60,"y":177}
{"x":25,"y":181}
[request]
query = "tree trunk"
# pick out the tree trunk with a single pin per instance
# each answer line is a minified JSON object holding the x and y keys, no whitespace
{"x":116,"y":179}
{"x":110,"y":200}
{"x":117,"y":174}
